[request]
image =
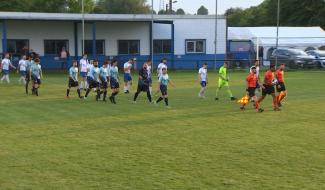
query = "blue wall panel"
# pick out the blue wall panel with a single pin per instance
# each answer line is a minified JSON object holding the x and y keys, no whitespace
{"x":181,"y":61}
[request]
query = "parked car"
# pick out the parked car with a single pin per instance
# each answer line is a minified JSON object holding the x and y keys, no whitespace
{"x":293,"y":58}
{"x":320,"y":57}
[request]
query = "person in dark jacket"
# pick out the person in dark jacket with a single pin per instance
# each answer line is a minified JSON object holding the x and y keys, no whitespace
{"x":143,"y":83}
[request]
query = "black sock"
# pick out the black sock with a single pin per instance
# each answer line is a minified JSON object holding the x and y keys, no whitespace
{"x":36,"y":91}
{"x":87,"y":92}
{"x":159,"y":99}
{"x":105,"y":94}
{"x":98,"y":95}
{"x":149,"y":96}
{"x":68,"y":92}
{"x":136,"y":96}
{"x":166,"y":101}
{"x":113,"y":97}
{"x":78,"y":91}
{"x":26,"y":87}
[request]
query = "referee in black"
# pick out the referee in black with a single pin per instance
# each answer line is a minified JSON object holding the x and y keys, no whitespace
{"x":143,"y":83}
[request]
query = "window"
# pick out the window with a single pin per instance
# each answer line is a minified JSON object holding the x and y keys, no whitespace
{"x":54,"y":47}
{"x":100,"y":47}
{"x":128,"y":47}
{"x":195,"y":46}
{"x":18,"y":46}
{"x":162,"y":46}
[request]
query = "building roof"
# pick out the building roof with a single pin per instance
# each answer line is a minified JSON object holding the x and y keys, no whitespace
{"x":287,"y":35}
{"x":97,"y":17}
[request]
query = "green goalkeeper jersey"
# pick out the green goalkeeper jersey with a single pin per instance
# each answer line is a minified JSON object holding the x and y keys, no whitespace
{"x":223,"y":73}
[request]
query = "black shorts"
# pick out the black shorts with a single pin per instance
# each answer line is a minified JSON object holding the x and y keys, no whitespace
{"x":251,"y":91}
{"x":143,"y":86}
{"x":73,"y":83}
{"x":27,"y":78}
{"x":104,"y":85}
{"x":280,"y":87}
{"x":268,"y":90}
{"x":163,"y":90}
{"x":36,"y":80}
{"x":92,"y":83}
{"x":89,"y":79}
{"x":114,"y":84}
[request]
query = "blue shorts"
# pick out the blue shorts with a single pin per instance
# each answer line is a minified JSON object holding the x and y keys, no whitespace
{"x":22,"y":73}
{"x":83,"y":74}
{"x":127,"y":77}
{"x":5,"y":72}
{"x":203,"y":84}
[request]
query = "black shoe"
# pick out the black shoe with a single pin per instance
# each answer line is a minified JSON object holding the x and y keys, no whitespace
{"x":97,"y":97}
{"x":260,"y":110}
{"x":276,"y":109}
{"x":233,"y":98}
{"x":111,"y":99}
{"x":216,"y":99}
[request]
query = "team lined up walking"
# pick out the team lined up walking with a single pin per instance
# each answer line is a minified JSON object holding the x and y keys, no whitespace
{"x":98,"y":80}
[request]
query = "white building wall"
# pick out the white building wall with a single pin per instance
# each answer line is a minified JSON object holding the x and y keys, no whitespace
{"x":194,"y":29}
{"x":111,"y":32}
{"x":38,"y":31}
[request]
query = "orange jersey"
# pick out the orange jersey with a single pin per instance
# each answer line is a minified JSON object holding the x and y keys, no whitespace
{"x":279,"y":74}
{"x":251,"y":80}
{"x":269,"y":77}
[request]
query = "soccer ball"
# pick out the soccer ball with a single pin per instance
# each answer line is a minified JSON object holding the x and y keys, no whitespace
{"x":274,"y":82}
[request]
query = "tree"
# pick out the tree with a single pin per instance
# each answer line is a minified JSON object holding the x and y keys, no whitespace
{"x":122,"y":7}
{"x":293,"y":13}
{"x":52,"y":6}
{"x":46,"y":6}
{"x":202,"y":11}
{"x":162,"y":12}
{"x":13,"y":5}
{"x":180,"y":12}
{"x":75,"y":6}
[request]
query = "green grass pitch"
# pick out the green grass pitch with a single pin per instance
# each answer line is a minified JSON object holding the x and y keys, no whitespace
{"x":49,"y":142}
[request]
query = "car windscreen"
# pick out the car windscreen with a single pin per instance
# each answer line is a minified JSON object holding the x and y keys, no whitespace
{"x":240,"y":46}
{"x":321,"y":54}
{"x":298,"y":52}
